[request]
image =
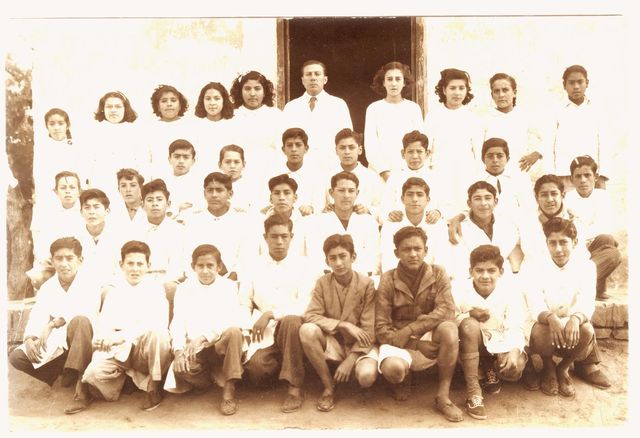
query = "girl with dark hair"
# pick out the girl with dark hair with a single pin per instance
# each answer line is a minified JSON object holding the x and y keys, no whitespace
{"x":54,"y":153}
{"x":454,"y":131}
{"x":258,"y":120}
{"x":389,"y":119}
{"x":215,"y":123}
{"x":114,"y":142}
{"x":508,"y":121}
{"x":170,"y":106}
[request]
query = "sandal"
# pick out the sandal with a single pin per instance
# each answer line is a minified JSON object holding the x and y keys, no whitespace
{"x":450,"y":411}
{"x":326,"y":403}
{"x":292,"y":403}
{"x":565,"y":386}
{"x":549,"y":385}
{"x":402,"y":390}
{"x":229,"y":406}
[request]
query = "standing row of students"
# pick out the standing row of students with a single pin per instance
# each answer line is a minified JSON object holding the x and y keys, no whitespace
{"x":247,"y":117}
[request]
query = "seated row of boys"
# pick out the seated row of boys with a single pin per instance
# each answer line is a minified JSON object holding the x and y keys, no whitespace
{"x":144,"y":213}
{"x":276,"y":317}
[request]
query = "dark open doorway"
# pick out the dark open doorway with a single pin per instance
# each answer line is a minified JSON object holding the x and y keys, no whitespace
{"x":353,"y":49}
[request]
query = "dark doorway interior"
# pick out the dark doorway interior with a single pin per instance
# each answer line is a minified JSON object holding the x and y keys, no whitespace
{"x":353,"y":49}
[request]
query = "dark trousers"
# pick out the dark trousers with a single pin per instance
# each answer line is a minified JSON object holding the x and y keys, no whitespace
{"x":79,"y":335}
{"x":606,"y":255}
{"x":285,"y":354}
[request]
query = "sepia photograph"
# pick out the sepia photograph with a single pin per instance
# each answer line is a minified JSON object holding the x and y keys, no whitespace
{"x":350,"y":218}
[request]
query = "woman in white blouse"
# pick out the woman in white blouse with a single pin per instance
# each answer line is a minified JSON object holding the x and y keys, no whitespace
{"x":454,"y":131}
{"x":170,"y":106}
{"x":215,"y":130}
{"x":258,"y":120}
{"x":510,"y":123}
{"x":388,"y":120}
{"x":115,"y":143}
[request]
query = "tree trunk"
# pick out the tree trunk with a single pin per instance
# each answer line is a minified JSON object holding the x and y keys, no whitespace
{"x":19,"y":245}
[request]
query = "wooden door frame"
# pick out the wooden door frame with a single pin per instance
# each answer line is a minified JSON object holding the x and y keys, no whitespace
{"x":418,"y":63}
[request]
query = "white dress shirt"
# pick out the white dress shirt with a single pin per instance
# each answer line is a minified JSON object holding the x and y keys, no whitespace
{"x":259,"y":131}
{"x":133,"y":310}
{"x":166,"y":242}
{"x":504,"y":330}
{"x":370,"y":187}
{"x":437,"y":243}
{"x":206,"y":310}
{"x":233,"y":233}
{"x":577,"y":131}
{"x":363,"y":229}
{"x":385,"y":125}
{"x":282,"y":287}
{"x":392,"y":192}
{"x":562,"y":290}
{"x":329,"y":116}
{"x":505,"y":236}
{"x":594,"y":215}
{"x":518,"y":128}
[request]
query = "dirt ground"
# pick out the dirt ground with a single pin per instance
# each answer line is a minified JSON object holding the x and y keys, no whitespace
{"x":33,"y":406}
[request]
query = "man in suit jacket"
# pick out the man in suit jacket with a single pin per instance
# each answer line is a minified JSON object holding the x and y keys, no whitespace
{"x":339,"y":322}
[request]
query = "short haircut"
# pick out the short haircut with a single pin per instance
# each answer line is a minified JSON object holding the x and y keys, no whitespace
{"x":207,"y":249}
{"x":231,"y":148}
{"x":377,"y":85}
{"x":312,"y":62}
{"x":218,"y":177}
{"x":415,"y":181}
{"x":481,"y":185}
{"x":406,"y":233}
{"x":276,"y":219}
{"x":505,"y":76}
{"x":486,"y":253}
{"x":67,"y":174}
{"x":238,"y":83}
{"x":66,"y":242}
{"x":157,"y":94}
{"x":545,"y":179}
{"x":344,"y":175}
{"x":227,"y":106}
{"x":336,"y":240}
{"x":495,"y":142}
{"x":155,"y":185}
{"x":129,"y":174}
{"x":129,"y":114}
{"x":295,"y":133}
{"x":574,"y":69}
{"x":348,"y":133}
{"x":94,"y":194}
{"x":412,"y":137}
{"x":135,"y":246}
{"x":283,"y":179}
{"x":449,"y":75}
{"x":583,"y":160}
{"x":560,"y":225}
{"x":62,"y":113}
{"x":181,"y":144}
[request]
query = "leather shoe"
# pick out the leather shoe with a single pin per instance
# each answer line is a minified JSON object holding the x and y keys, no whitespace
{"x":596,"y":378}
{"x":78,"y":405}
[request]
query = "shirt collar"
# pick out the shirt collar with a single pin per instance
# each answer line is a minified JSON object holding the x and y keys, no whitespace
{"x":568,"y":103}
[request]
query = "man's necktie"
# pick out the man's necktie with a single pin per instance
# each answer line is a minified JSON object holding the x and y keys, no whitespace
{"x":312,"y":102}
